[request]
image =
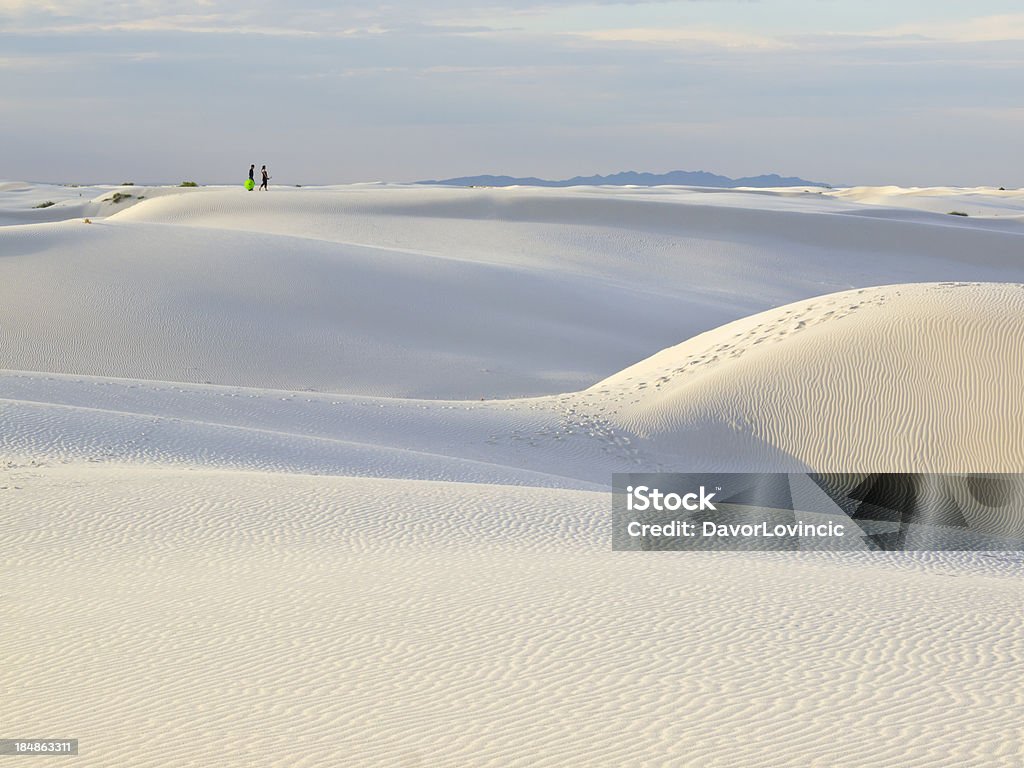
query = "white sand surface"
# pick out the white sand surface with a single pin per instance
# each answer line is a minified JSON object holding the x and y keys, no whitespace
{"x":421,"y":292}
{"x":320,"y":477}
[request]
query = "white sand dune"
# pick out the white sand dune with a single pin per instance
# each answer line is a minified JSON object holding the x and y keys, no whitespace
{"x":24,"y":203}
{"x":986,"y":202}
{"x":206,"y":562}
{"x":923,"y":378}
{"x":915,"y":377}
{"x":419,"y":292}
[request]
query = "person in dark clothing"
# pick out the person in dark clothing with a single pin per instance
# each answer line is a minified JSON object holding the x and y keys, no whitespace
{"x":266,"y":178}
{"x":252,"y":173}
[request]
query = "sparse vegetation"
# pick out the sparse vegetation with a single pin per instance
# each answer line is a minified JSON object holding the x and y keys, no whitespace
{"x":957,"y":213}
{"x":46,"y":204}
{"x":117,"y":197}
{"x":87,"y":221}
{"x":127,"y":183}
{"x":188,"y":184}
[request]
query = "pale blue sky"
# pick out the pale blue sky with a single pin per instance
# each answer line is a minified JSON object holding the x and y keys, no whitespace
{"x":843,"y":91}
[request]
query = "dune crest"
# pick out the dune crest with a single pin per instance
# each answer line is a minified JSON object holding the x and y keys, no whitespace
{"x":918,"y":377}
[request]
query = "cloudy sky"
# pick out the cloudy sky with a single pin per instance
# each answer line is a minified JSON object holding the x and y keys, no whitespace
{"x":842,"y":91}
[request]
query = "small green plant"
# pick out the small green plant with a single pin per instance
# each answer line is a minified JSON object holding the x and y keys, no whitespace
{"x":188,"y":184}
{"x":957,"y":213}
{"x":116,"y":198}
{"x":142,"y":197}
{"x":46,"y":204}
{"x":87,"y":221}
{"x":127,"y":183}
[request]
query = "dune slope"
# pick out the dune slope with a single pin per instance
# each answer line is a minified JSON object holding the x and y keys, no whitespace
{"x":922,"y":377}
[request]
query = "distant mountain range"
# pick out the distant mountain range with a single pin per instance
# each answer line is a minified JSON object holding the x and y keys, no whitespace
{"x":684,"y":178}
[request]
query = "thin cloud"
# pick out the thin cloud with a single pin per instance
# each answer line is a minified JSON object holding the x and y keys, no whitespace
{"x":688,"y":35}
{"x":982,"y":29}
{"x":29,"y":63}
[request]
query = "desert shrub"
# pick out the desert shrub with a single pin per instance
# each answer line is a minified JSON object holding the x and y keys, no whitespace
{"x":46,"y":204}
{"x":188,"y":184}
{"x":118,"y":197}
{"x":127,"y":183}
{"x":957,"y":213}
{"x":87,"y":221}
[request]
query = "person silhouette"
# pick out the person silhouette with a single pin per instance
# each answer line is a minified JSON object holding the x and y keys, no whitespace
{"x":266,"y":178}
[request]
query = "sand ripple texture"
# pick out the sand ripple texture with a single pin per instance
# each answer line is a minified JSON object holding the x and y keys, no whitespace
{"x":171,"y":617}
{"x":921,"y":378}
{"x":546,"y":442}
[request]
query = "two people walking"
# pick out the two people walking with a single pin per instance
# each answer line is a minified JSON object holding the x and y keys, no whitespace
{"x":266,"y":176}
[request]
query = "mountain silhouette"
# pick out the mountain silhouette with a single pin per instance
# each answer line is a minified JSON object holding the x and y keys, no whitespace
{"x":684,"y":178}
